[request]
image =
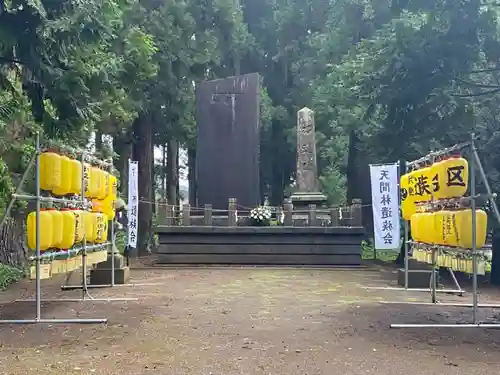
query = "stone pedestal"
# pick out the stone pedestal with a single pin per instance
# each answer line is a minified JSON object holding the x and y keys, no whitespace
{"x":301,"y":201}
{"x":416,"y":278}
{"x":119,"y":262}
{"x":101,"y":274}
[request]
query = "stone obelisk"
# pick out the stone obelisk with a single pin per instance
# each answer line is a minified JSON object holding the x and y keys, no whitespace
{"x":307,"y":180}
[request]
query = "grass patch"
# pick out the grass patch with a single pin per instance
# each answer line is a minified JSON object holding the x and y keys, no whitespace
{"x":9,"y":275}
{"x":368,"y":252}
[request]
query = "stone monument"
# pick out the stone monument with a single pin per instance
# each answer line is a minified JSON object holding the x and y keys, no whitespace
{"x":307,"y":180}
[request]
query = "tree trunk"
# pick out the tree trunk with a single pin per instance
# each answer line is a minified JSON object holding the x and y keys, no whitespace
{"x":236,"y":63}
{"x":154,"y":182}
{"x":277,"y":156}
{"x":143,"y":154}
{"x":164,"y":172}
{"x":172,"y":172}
{"x":12,"y":250}
{"x":98,"y":142}
{"x":495,"y":261}
{"x":358,"y":179}
{"x":192,"y":177}
{"x":352,"y":172}
{"x":123,"y":146}
{"x":400,"y":259}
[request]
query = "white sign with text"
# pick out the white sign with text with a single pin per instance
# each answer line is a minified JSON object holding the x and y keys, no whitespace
{"x":385,"y":206}
{"x":133,"y":203}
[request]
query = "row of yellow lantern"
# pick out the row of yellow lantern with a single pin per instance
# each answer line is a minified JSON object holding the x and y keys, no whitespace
{"x":105,"y":206}
{"x":449,"y":228}
{"x":64,"y":228}
{"x":62,"y":176}
{"x":59,"y":266}
{"x":446,"y":178}
{"x":451,"y":261}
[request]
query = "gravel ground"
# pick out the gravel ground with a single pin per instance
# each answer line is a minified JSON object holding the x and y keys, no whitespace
{"x":246,"y":321}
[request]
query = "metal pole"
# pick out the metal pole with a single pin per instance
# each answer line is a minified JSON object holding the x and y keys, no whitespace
{"x":402,"y":168}
{"x":479,"y":325}
{"x":54,"y":321}
{"x":479,"y":166}
{"x":92,"y":300}
{"x":451,"y":304}
{"x":474,"y":250}
{"x":457,"y":284}
{"x":434,"y":276}
{"x":112,"y":242}
{"x":112,"y":253}
{"x":18,"y":189}
{"x":73,"y":287}
{"x":84,"y":242}
{"x":37,"y":192}
{"x":397,"y":288}
{"x":406,"y":255}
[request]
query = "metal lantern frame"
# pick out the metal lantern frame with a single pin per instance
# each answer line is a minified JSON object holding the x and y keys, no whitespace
{"x":83,"y":249}
{"x":414,"y":165}
{"x":474,"y":163}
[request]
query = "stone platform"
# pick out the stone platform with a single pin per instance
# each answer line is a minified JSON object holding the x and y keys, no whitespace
{"x":305,"y":246}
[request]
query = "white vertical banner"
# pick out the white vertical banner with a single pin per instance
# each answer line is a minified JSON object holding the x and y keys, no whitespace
{"x":385,"y":206}
{"x":133,"y":203}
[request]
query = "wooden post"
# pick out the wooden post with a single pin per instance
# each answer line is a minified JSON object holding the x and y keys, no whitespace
{"x":169,"y":215}
{"x":312,"y":219}
{"x":288,"y":222}
{"x":356,"y":213}
{"x":334,"y":216}
{"x":186,"y":215}
{"x":207,"y":215}
{"x":279,"y":212}
{"x":231,"y":212}
{"x":162,"y":211}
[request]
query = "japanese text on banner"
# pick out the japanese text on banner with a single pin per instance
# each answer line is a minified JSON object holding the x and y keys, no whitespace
{"x":133,"y":203}
{"x":385,"y":206}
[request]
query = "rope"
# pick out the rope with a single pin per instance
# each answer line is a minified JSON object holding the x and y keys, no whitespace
{"x":434,"y":154}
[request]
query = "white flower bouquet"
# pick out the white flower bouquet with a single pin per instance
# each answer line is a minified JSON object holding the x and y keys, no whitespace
{"x":261,"y":216}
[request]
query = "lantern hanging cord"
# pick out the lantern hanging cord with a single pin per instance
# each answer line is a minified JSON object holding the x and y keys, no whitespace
{"x":70,"y":253}
{"x":435,"y":154}
{"x":88,"y":156}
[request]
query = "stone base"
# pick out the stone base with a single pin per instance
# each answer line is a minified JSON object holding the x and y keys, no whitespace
{"x":303,"y":200}
{"x":119,"y":262}
{"x":416,"y":278}
{"x":102,"y":276}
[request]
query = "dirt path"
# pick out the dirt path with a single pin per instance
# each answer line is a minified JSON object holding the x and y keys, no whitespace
{"x":245,"y":321}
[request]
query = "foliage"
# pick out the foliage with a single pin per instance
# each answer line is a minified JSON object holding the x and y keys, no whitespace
{"x":9,"y":275}
{"x":368,"y":252}
{"x":388,"y":80}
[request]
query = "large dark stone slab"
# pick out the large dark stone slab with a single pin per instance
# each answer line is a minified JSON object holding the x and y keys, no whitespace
{"x":228,"y":141}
